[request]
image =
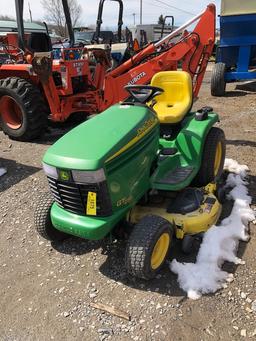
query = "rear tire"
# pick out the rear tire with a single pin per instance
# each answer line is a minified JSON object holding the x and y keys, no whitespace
{"x":23,"y":111}
{"x":43,"y":221}
{"x":148,"y":246}
{"x":218,"y":83}
{"x":212,"y":159}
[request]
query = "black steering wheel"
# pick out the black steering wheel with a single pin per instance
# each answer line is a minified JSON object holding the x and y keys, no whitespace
{"x":142,"y":93}
{"x":13,"y":55}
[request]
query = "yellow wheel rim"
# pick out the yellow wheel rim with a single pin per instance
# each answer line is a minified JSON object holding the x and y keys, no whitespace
{"x":160,"y":251}
{"x":218,"y":157}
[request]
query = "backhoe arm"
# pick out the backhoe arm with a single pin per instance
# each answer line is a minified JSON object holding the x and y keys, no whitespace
{"x":192,"y":51}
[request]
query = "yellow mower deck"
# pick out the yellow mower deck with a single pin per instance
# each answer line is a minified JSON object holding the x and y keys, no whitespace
{"x":195,"y":222}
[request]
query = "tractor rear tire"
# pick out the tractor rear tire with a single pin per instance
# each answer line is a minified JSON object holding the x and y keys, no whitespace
{"x":23,"y":111}
{"x":43,"y":222}
{"x":148,"y":246}
{"x":218,"y":83}
{"x":212,"y":159}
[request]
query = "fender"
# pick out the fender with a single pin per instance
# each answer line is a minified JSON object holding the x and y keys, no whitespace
{"x":189,"y":145}
{"x":191,"y":139}
{"x":18,"y":70}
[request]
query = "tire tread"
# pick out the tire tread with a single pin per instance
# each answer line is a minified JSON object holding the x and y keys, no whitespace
{"x":33,"y":106}
{"x":140,"y":243}
{"x":206,"y":171}
{"x":43,"y":222}
{"x":218,"y":84}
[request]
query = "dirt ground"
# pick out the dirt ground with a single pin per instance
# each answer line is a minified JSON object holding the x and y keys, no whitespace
{"x":46,"y":289}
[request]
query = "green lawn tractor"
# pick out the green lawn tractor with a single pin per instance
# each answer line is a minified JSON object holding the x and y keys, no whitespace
{"x":148,"y":165}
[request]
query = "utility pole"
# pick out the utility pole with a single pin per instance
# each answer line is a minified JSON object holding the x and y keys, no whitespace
{"x":133,"y":18}
{"x":140,"y":11}
{"x":30,"y":13}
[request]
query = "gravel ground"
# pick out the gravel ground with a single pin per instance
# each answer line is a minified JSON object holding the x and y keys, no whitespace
{"x":46,"y":289}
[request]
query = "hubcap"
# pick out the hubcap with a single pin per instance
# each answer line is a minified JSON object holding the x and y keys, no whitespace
{"x":218,"y":156}
{"x":10,"y":112}
{"x":160,"y":251}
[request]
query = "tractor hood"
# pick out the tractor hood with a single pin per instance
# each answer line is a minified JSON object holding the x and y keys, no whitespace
{"x":102,"y":138}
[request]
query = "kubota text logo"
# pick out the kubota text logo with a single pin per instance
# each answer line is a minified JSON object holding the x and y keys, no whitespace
{"x":136,"y":78}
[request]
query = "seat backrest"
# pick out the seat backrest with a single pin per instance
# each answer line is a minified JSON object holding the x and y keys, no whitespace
{"x":176,"y":100}
{"x":39,"y":42}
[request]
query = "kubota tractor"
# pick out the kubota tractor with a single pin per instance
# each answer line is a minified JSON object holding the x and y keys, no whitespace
{"x":34,"y":86}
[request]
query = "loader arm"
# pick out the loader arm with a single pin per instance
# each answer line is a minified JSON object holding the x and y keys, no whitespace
{"x":192,"y":51}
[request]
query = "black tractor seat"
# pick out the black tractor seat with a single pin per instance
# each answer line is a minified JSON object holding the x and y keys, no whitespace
{"x":39,"y":42}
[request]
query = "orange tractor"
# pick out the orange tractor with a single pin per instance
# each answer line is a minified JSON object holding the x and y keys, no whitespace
{"x":35,"y":87}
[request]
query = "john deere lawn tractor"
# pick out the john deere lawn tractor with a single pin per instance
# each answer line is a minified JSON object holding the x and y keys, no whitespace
{"x":147,"y":165}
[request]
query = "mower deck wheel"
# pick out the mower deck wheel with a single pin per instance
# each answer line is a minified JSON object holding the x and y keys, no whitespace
{"x":43,"y":222}
{"x":212,"y":159}
{"x":148,"y":246}
{"x":187,"y":244}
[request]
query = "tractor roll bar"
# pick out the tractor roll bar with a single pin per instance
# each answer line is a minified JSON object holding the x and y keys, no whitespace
{"x":178,"y":30}
{"x":20,"y":25}
{"x":120,"y":19}
{"x":19,"y":4}
{"x":68,"y":22}
{"x":163,"y":24}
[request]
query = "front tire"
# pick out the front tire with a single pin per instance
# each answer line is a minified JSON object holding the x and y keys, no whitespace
{"x":43,"y":222}
{"x":23,"y":112}
{"x":148,"y":246}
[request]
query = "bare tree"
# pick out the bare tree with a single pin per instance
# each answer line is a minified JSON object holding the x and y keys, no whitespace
{"x":7,"y":18}
{"x":54,"y":14}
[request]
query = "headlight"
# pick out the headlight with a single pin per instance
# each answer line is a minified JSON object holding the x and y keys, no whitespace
{"x":89,"y":176}
{"x":50,"y":171}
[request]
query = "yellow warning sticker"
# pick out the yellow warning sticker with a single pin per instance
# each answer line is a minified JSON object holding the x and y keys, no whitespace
{"x":91,"y":203}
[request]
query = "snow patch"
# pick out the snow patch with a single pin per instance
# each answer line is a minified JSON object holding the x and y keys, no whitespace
{"x":3,"y":171}
{"x":220,"y":243}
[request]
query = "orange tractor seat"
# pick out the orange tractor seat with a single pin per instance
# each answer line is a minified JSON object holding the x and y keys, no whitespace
{"x":176,"y":100}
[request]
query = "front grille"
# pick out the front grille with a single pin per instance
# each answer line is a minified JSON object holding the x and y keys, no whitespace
{"x":73,"y":197}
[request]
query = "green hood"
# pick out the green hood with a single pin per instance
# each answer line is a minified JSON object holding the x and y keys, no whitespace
{"x":92,"y":143}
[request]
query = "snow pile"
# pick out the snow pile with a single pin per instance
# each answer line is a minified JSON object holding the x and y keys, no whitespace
{"x":220,"y":242}
{"x":3,"y":171}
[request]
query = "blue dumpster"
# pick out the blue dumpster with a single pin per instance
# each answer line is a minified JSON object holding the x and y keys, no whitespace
{"x":236,"y":54}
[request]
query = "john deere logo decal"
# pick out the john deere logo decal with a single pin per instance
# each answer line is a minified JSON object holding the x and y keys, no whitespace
{"x":64,"y":175}
{"x":146,"y":126}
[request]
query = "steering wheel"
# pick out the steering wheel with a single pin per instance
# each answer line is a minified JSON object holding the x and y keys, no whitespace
{"x":11,"y":54}
{"x":142,"y":93}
